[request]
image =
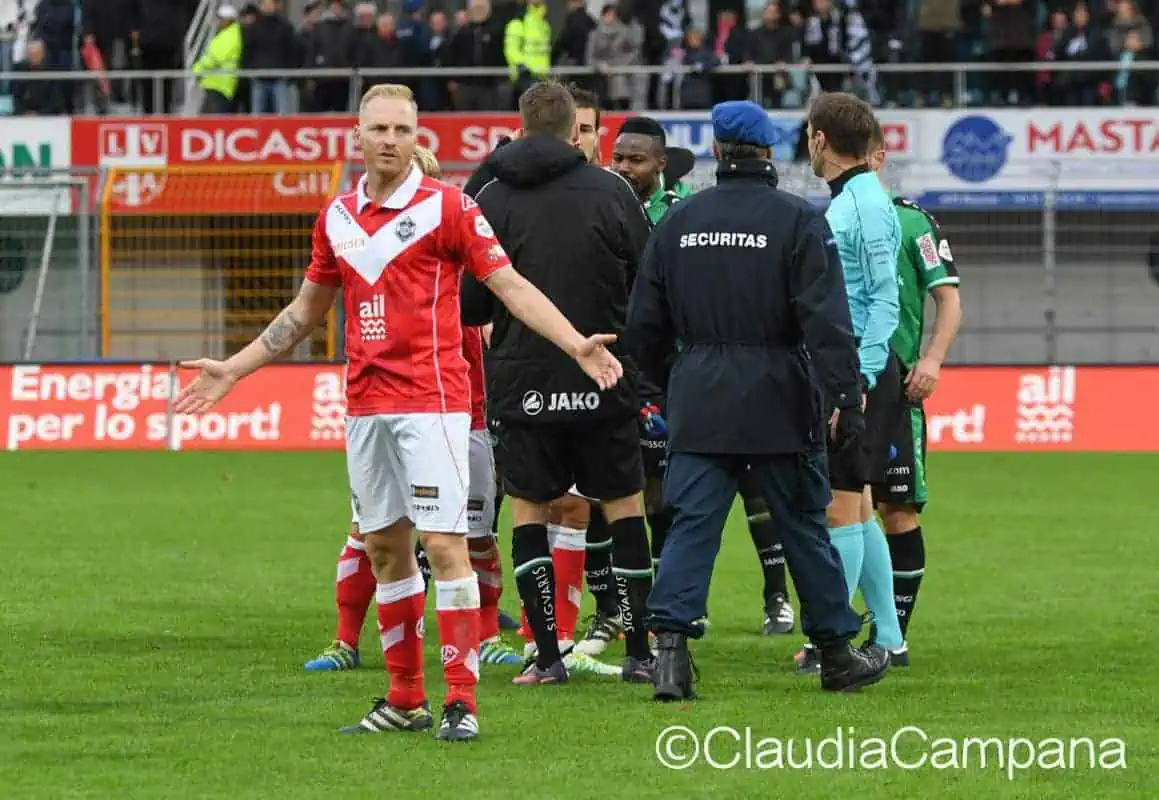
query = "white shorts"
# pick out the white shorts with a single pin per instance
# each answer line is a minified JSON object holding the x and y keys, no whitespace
{"x":481,"y":494}
{"x":409,"y":465}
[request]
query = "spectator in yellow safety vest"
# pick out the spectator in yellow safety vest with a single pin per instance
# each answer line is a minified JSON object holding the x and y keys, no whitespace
{"x":527,"y":46}
{"x":218,"y":65}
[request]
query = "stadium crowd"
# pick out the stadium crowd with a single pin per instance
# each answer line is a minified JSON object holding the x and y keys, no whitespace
{"x":517,"y":34}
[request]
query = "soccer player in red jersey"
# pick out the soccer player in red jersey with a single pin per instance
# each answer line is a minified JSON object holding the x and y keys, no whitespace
{"x":355,"y":584}
{"x":397,"y":247}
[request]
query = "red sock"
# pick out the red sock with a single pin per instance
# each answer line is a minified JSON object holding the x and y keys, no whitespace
{"x":354,"y":589}
{"x":489,"y":571}
{"x":524,"y":628}
{"x":458,"y":605}
{"x":400,"y":625}
{"x":568,"y":553}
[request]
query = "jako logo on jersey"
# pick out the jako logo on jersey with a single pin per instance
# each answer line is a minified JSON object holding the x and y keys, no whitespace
{"x":449,"y":653}
{"x":532,"y":403}
{"x":372,"y":319}
{"x":574,"y":401}
{"x":719,"y":239}
{"x":420,"y":628}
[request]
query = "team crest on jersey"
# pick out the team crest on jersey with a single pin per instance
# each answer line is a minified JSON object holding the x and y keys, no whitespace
{"x":405,"y":229}
{"x":483,"y":227}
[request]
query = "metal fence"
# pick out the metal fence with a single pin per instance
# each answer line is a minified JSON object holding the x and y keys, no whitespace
{"x":1039,"y":285}
{"x":952,"y":85}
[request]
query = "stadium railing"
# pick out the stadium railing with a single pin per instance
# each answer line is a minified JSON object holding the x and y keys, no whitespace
{"x":965,"y":88}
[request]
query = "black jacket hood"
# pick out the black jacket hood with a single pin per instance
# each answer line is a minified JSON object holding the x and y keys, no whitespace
{"x":680,"y":163}
{"x":534,"y":160}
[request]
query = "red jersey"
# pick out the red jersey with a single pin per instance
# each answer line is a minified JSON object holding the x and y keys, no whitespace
{"x":473,"y":352}
{"x":400,"y":266}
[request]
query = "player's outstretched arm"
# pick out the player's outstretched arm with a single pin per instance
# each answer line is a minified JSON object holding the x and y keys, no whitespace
{"x":296,"y":321}
{"x":535,"y":311}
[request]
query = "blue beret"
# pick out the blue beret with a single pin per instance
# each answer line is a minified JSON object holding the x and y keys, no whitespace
{"x":742,"y":122}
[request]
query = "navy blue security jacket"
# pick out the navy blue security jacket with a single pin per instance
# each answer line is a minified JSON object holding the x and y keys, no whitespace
{"x":747,"y":279}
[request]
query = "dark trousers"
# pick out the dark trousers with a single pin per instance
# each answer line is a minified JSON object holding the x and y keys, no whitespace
{"x":700,"y":490}
{"x":215,"y":102}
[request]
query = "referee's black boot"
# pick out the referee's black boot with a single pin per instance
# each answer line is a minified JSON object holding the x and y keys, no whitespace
{"x":845,"y":668}
{"x":672,"y":678}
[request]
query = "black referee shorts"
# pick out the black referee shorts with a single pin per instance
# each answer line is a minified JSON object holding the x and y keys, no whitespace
{"x":539,"y":463}
{"x":863,"y":462}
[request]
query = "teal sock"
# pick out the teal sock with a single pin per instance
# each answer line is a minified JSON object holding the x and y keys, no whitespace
{"x":877,"y":586}
{"x":849,"y":541}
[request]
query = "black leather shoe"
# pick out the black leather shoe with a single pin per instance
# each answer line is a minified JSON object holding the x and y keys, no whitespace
{"x":845,"y":669}
{"x":673,"y":675}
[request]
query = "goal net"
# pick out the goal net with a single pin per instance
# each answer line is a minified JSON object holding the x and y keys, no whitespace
{"x":200,"y":260}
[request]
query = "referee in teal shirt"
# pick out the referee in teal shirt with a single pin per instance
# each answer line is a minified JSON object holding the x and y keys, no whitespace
{"x":865,"y":226}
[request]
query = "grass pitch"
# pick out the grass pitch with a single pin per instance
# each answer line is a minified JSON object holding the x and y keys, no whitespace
{"x":157,"y":609}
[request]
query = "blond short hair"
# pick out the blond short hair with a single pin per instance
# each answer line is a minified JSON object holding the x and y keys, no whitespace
{"x":395,"y":90}
{"x":427,"y":163}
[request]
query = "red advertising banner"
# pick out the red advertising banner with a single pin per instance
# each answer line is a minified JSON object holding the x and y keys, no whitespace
{"x":127,"y":407}
{"x":263,"y":164}
{"x":301,"y":407}
{"x":165,"y":159}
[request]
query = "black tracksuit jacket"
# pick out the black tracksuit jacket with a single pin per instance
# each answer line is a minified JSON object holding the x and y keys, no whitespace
{"x":576,"y":232}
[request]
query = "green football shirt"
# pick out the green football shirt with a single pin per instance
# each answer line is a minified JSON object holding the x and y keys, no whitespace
{"x":924,"y":262}
{"x":663,"y":199}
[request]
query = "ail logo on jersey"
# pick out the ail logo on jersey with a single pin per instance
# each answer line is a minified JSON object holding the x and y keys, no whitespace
{"x":372,"y":319}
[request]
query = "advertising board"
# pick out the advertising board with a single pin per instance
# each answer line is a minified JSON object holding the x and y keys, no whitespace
{"x":301,"y":407}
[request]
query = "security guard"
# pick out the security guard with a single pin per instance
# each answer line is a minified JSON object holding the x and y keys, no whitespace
{"x":747,"y":277}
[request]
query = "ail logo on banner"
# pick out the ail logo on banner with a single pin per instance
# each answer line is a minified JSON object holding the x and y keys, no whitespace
{"x":302,"y":407}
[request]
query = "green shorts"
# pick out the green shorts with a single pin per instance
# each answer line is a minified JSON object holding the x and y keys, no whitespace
{"x":904,"y":483}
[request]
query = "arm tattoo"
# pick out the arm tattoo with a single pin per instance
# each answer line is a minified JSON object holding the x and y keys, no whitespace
{"x":282,"y":334}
